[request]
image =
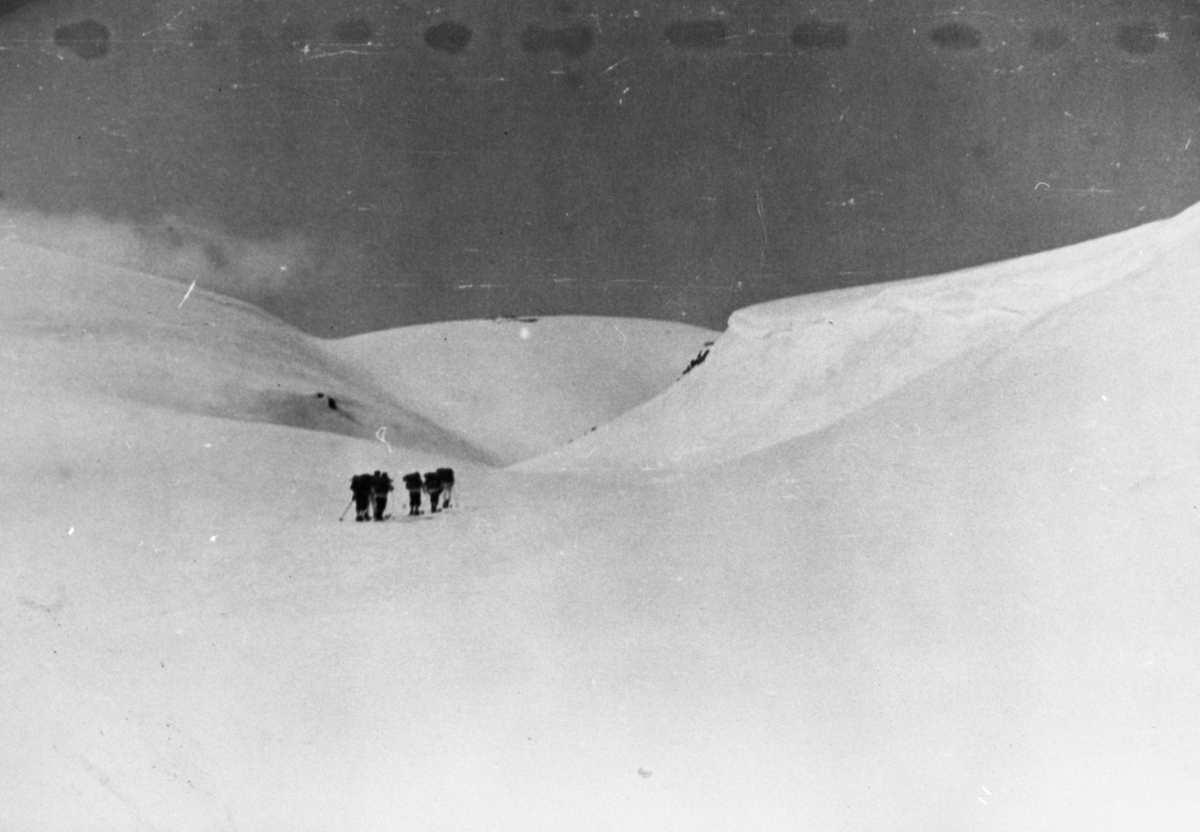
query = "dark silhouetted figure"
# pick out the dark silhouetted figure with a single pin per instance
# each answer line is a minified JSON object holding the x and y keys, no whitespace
{"x":413,"y":483}
{"x":362,"y":486}
{"x":434,"y":486}
{"x":446,"y":477}
{"x":382,"y":485}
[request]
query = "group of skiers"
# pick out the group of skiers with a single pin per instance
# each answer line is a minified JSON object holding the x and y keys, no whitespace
{"x":370,"y":492}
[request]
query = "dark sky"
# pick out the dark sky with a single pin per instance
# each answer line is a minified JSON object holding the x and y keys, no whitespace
{"x":403,"y":163}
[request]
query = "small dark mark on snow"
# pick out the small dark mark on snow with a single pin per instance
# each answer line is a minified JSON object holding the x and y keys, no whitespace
{"x":698,"y":360}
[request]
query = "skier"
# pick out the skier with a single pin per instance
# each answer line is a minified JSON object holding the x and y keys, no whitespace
{"x":434,"y":486}
{"x":413,"y":483}
{"x":362,"y":487}
{"x":382,"y":485}
{"x":446,"y":476}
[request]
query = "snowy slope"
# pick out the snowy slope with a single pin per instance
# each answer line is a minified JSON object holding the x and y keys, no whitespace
{"x":475,"y":390}
{"x":793,"y":366}
{"x":992,"y":578}
{"x":99,"y":330}
{"x":561,"y":376}
{"x":970,"y":603}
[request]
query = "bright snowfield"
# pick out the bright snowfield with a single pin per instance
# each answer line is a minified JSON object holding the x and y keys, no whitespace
{"x":912,"y":557}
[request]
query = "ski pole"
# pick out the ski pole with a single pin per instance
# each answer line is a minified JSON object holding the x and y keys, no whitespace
{"x":347,"y":509}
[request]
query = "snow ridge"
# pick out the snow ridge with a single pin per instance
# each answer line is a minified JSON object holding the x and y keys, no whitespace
{"x":795,"y":366}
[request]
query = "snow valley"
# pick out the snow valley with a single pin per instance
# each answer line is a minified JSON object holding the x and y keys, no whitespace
{"x":913,"y":556}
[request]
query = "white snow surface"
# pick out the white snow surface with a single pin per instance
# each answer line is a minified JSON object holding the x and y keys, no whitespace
{"x":924,"y":557}
{"x":794,"y":366}
{"x":522,"y":387}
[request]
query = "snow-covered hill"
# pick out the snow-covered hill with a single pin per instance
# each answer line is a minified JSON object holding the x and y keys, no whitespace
{"x":794,"y":366}
{"x":962,"y":594}
{"x":521,"y":387}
